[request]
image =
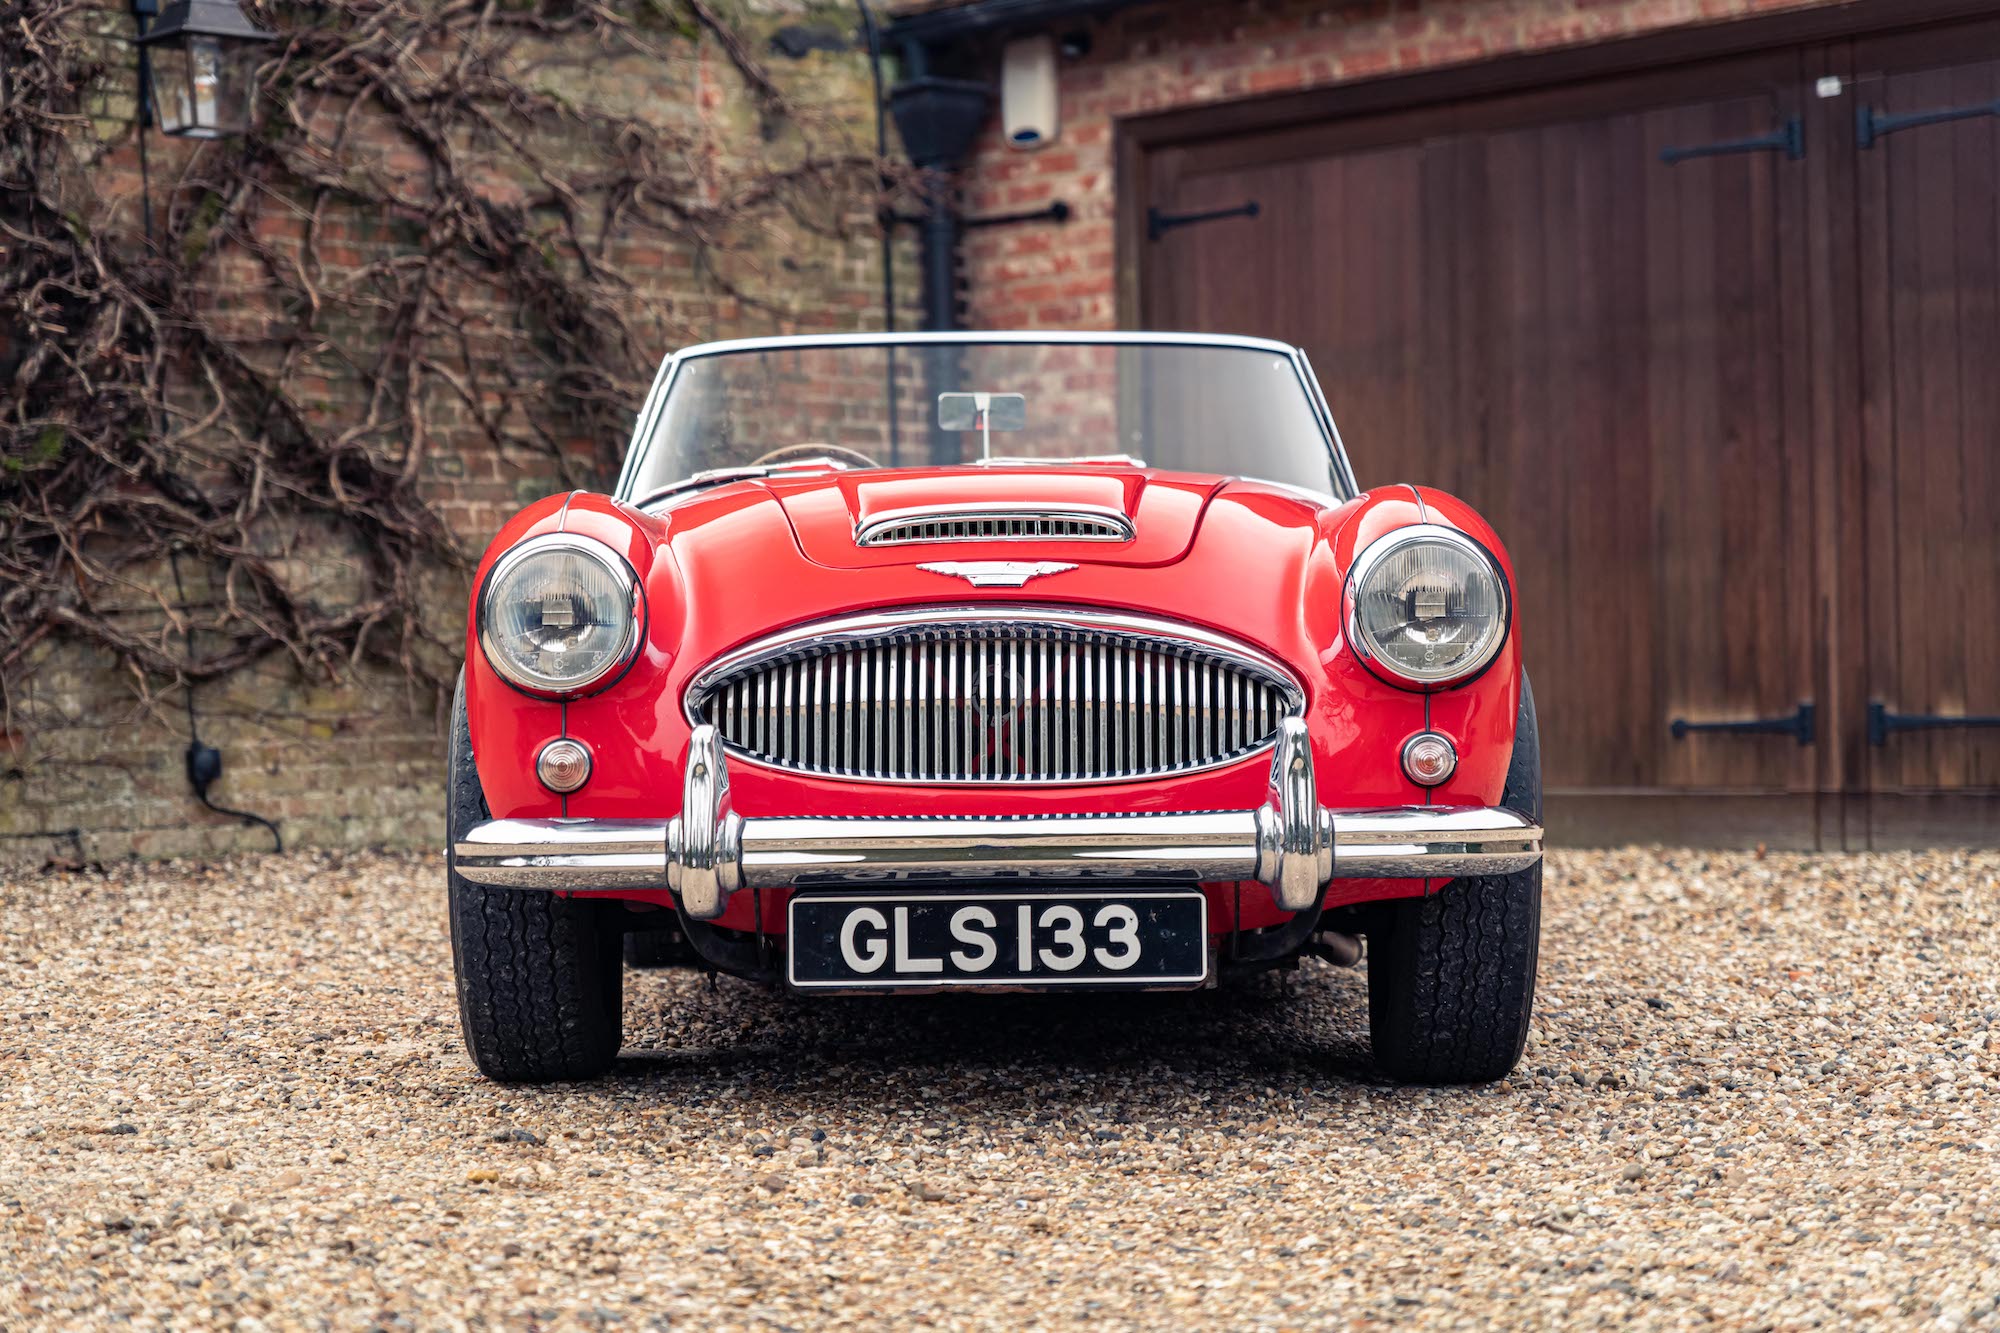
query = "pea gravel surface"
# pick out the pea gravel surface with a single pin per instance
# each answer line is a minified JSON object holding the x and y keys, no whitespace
{"x":1760,"y":1092}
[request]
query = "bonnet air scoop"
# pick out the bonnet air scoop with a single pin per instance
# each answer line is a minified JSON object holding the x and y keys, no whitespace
{"x":993,"y":523}
{"x":1084,"y":514}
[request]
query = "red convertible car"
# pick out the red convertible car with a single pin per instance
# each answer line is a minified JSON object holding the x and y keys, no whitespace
{"x":994,"y":661}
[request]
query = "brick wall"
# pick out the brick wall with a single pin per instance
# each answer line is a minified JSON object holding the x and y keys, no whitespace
{"x":91,"y":758}
{"x":1165,"y":57}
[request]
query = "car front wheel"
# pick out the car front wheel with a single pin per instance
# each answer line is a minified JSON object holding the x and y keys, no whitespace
{"x":1451,"y":976}
{"x":540,"y":978}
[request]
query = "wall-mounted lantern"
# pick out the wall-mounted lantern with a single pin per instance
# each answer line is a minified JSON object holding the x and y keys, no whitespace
{"x":195,"y":66}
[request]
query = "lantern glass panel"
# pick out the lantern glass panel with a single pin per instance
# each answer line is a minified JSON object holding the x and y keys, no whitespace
{"x":202,"y":84}
{"x":213,"y":89}
{"x":223,"y":71}
{"x":173,"y":100}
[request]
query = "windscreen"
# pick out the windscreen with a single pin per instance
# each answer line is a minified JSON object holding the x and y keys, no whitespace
{"x":1229,"y":410}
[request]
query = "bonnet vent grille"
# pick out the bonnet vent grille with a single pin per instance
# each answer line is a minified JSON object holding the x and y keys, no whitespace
{"x":995,"y":526}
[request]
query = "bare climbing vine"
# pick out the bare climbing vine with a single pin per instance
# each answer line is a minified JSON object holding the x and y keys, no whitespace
{"x":444,"y":224}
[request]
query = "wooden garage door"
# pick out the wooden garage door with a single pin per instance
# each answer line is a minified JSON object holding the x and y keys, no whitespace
{"x":1636,"y":323}
{"x":1587,"y":343}
{"x":1927,"y":175}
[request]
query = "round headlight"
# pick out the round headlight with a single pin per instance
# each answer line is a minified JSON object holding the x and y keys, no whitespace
{"x":1426,"y":605}
{"x":560,"y":614}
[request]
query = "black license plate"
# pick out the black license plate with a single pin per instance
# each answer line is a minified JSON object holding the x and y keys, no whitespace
{"x":1025,"y":941}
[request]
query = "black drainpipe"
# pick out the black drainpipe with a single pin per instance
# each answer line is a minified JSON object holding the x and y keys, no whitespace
{"x":937,"y":247}
{"x":938,"y":118}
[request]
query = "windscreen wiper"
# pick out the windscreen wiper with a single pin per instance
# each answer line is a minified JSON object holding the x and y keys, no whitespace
{"x":715,"y":476}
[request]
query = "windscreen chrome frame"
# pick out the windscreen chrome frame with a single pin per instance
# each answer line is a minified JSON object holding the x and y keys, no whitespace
{"x":1340,"y":473}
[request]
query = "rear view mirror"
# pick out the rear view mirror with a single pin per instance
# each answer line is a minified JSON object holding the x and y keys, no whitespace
{"x":982,"y":411}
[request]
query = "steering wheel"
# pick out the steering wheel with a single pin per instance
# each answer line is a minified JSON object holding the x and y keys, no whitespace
{"x":802,"y":453}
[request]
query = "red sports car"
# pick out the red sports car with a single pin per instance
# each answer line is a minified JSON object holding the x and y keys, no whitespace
{"x":1003,"y":661}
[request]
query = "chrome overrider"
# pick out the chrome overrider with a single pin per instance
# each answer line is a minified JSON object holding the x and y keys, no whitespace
{"x":1291,"y":843}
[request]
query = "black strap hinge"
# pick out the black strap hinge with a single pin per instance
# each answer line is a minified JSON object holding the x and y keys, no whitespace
{"x":1789,"y":139}
{"x":1882,"y":724}
{"x":1798,"y":724}
{"x":1158,"y":224}
{"x":1870,"y":124}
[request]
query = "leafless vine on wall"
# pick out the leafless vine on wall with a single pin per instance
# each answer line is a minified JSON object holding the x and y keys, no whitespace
{"x":444,"y":230}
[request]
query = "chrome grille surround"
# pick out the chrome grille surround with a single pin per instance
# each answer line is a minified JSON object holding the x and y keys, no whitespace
{"x":1015,"y":695}
{"x":911,"y":527}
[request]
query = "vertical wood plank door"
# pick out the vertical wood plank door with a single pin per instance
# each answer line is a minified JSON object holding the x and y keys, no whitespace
{"x":1928,"y":187}
{"x":1523,"y":302}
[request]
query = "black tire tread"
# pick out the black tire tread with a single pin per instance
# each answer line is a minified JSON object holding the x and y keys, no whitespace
{"x":1451,"y":976}
{"x":540,"y":978}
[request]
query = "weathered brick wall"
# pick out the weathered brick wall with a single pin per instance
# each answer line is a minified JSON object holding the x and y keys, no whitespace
{"x":91,"y":758}
{"x":1165,"y":57}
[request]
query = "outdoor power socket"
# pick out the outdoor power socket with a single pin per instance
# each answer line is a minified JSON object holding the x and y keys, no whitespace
{"x":204,"y":766}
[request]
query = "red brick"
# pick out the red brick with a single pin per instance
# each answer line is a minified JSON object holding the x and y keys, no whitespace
{"x":1156,"y":58}
{"x":293,"y":743}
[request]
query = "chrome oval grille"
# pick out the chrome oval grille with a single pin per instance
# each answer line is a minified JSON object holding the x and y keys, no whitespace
{"x":962,"y":696}
{"x":997,"y":526}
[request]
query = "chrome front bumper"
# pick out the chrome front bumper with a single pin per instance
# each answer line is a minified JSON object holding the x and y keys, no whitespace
{"x":1291,"y":843}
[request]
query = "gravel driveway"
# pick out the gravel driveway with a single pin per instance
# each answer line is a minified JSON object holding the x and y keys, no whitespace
{"x":1760,"y":1092}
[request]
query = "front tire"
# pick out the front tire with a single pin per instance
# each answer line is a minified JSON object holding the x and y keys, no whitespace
{"x":1451,"y":976}
{"x":540,"y":978}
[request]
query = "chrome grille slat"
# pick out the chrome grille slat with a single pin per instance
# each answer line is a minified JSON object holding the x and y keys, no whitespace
{"x":950,"y":717}
{"x":999,"y":701}
{"x":1105,"y":710}
{"x":1071,"y":749}
{"x":920,"y":704}
{"x":1180,"y":714}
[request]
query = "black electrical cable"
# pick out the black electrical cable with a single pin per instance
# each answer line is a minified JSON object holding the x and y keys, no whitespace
{"x":204,"y":762}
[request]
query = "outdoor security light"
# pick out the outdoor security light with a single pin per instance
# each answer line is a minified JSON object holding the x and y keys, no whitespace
{"x":195,"y":66}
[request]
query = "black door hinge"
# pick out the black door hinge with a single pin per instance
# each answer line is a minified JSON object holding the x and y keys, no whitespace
{"x":1870,"y":124}
{"x":1883,"y":724}
{"x":1798,"y":724}
{"x":1789,"y":139}
{"x":1158,"y":224}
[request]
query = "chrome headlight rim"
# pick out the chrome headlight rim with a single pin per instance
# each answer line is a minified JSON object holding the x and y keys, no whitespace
{"x":1383,"y":547}
{"x":614,"y":564}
